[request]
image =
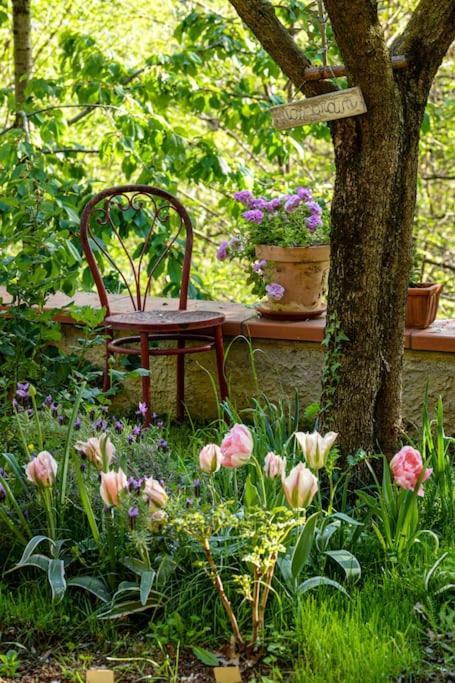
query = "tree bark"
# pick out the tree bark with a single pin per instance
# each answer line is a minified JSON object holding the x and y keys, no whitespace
{"x":376,"y":158}
{"x":22,"y":53}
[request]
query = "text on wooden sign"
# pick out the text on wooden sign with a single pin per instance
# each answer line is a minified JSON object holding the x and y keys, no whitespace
{"x":336,"y":105}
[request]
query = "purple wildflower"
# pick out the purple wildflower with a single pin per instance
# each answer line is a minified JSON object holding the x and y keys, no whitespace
{"x":273,"y":204}
{"x":162,"y":443}
{"x":60,"y":419}
{"x":313,"y":222}
{"x":118,"y":426}
{"x":142,"y":409}
{"x":54,"y":409}
{"x":259,"y":203}
{"x":16,"y":405}
{"x":222,"y":251}
{"x":292,"y":203}
{"x":235,"y":244}
{"x":130,"y":438}
{"x":22,"y":389}
{"x":314,"y":207}
{"x":258,"y":266}
{"x":100,"y":425}
{"x":304,"y":193}
{"x":160,"y":424}
{"x":136,"y":432}
{"x":48,"y":401}
{"x":254,"y":216}
{"x":134,"y":485}
{"x":244,"y":196}
{"x":77,"y":423}
{"x":133,"y":512}
{"x":189,"y":502}
{"x":2,"y":494}
{"x":275,"y":291}
{"x":197,"y":487}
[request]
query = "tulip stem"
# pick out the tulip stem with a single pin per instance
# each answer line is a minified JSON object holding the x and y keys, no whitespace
{"x":85,"y":500}
{"x":21,"y":434}
{"x":38,"y":422}
{"x":261,"y":478}
{"x":217,"y":582}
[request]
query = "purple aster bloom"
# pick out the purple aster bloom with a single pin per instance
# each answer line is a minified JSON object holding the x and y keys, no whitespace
{"x":259,"y":265}
{"x":142,"y":409}
{"x":275,"y":291}
{"x":314,"y":207}
{"x":292,"y":203}
{"x":118,"y":426}
{"x":197,"y":487}
{"x":77,"y":423}
{"x":162,"y":443}
{"x":313,"y":222}
{"x":254,"y":216}
{"x":244,"y":196}
{"x":304,"y":193}
{"x":133,"y":512}
{"x":273,"y":204}
{"x":22,"y":389}
{"x":259,"y":203}
{"x":2,"y":494}
{"x":48,"y":401}
{"x":222,"y":251}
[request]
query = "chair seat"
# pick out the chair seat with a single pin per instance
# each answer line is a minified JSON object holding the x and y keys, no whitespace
{"x":164,"y":321}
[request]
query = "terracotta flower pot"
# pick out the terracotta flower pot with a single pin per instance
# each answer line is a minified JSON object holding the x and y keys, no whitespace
{"x":303,"y":272}
{"x":422,"y":304}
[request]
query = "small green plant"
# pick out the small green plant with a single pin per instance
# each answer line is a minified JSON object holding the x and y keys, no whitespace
{"x":9,"y":663}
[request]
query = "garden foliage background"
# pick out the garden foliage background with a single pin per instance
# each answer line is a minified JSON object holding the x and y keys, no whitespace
{"x":175,"y":94}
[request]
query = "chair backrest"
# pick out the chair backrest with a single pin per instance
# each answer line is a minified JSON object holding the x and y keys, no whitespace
{"x":157,"y":217}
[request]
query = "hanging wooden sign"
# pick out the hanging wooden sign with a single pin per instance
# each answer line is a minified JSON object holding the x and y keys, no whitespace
{"x":334,"y":105}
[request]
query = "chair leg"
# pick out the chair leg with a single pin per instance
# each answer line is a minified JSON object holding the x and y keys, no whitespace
{"x":180,"y":411}
{"x":145,"y":363}
{"x":219,"y":349}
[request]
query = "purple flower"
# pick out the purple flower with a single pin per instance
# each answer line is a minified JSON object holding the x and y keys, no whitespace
{"x":273,"y":204}
{"x":162,"y":443}
{"x":313,"y":222}
{"x":142,"y":409}
{"x":130,"y":438}
{"x":100,"y":425}
{"x":259,"y":203}
{"x":259,"y":265}
{"x":77,"y":423}
{"x":54,"y":409}
{"x":292,"y":203}
{"x":2,"y":494}
{"x":189,"y":502}
{"x":275,"y":291}
{"x":48,"y":401}
{"x":254,"y":216}
{"x":133,"y":512}
{"x":160,"y":424}
{"x":16,"y":405}
{"x":244,"y":196}
{"x":60,"y":419}
{"x":22,"y":389}
{"x":304,"y":193}
{"x":314,"y":207}
{"x":197,"y":487}
{"x":234,"y":243}
{"x":222,"y":251}
{"x":136,"y":431}
{"x":118,"y":426}
{"x":134,"y":485}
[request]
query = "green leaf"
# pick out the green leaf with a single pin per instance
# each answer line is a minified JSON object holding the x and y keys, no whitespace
{"x":30,"y":547}
{"x":92,"y":585}
{"x":317,"y":581}
{"x":206,"y":657}
{"x":303,"y":546}
{"x":252,"y":498}
{"x":147,"y":579}
{"x":56,"y":576}
{"x":347,"y":519}
{"x":348,"y":562}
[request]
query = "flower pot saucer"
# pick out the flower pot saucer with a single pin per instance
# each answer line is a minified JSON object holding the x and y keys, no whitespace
{"x":290,"y":316}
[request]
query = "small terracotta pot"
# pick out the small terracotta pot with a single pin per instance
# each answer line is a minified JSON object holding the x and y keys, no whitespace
{"x":422,"y":304}
{"x":303,"y":272}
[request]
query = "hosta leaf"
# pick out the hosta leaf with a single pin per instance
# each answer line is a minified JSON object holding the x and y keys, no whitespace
{"x":348,"y":562}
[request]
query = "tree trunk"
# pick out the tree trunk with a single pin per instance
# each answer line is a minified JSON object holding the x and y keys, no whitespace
{"x":22,"y":53}
{"x":373,"y":205}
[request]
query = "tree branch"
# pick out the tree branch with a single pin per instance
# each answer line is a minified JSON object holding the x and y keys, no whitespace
{"x":260,"y":17}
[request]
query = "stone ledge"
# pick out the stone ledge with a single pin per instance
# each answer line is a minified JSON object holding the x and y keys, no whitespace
{"x":244,"y":320}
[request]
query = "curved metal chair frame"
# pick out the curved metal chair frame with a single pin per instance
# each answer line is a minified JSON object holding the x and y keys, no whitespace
{"x":204,"y":328}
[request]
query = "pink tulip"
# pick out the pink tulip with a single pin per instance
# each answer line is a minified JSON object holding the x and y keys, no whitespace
{"x":237,"y":446}
{"x":406,"y":467}
{"x":300,"y":486}
{"x":274,"y":465}
{"x":42,"y":470}
{"x":316,"y":448}
{"x":112,"y":485}
{"x":210,"y":458}
{"x":154,"y":494}
{"x":94,"y":448}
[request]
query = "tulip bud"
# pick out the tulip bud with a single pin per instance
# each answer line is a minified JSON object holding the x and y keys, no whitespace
{"x":316,"y":448}
{"x":210,"y":458}
{"x":300,"y":486}
{"x":112,"y":485}
{"x":154,"y":494}
{"x":42,"y":470}
{"x":100,"y":451}
{"x":237,"y":446}
{"x":274,"y":465}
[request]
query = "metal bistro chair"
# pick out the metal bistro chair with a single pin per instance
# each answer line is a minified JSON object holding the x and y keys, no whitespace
{"x":113,"y":210}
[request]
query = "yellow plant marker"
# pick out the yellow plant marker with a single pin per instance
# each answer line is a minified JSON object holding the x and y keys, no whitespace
{"x":227,"y":674}
{"x":100,"y":676}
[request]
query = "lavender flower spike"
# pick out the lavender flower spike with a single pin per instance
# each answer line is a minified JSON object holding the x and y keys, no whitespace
{"x":22,"y":390}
